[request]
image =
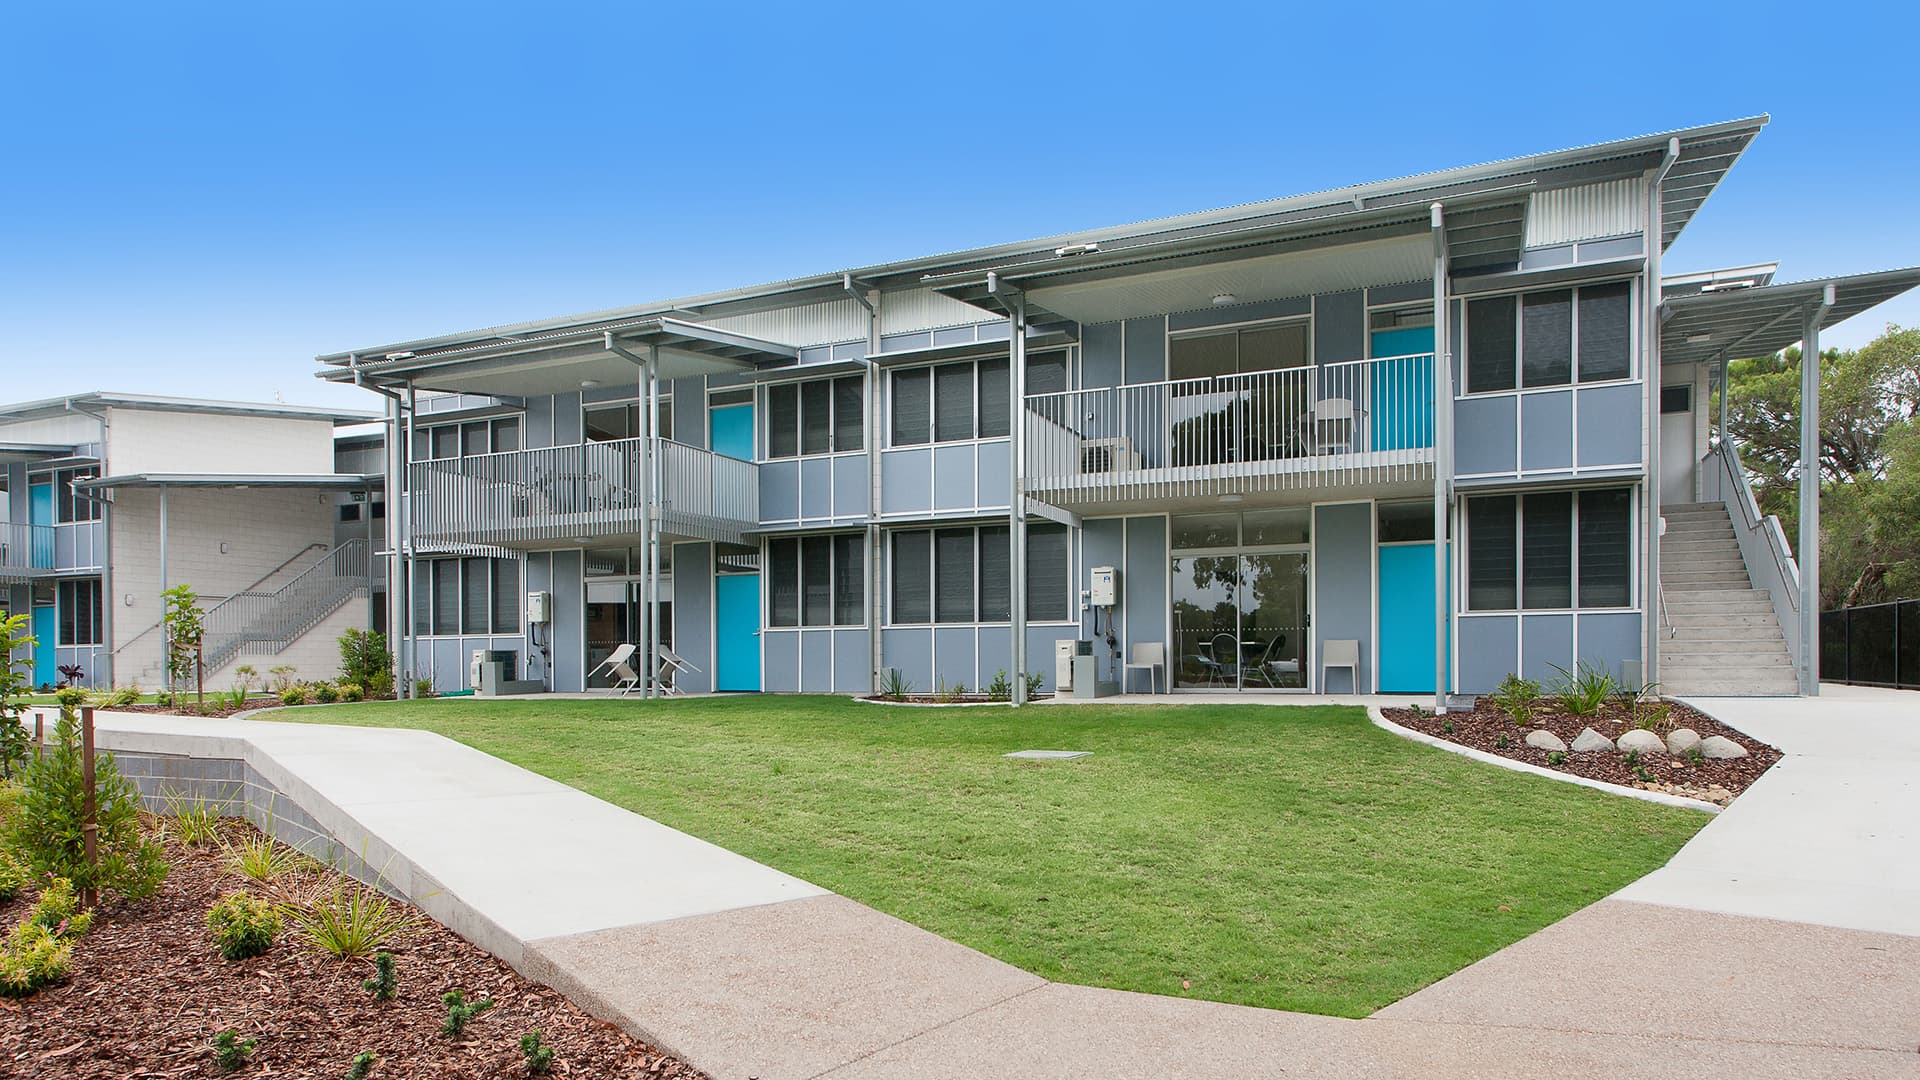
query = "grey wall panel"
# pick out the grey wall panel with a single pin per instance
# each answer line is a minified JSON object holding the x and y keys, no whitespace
{"x":996,"y":653}
{"x":1545,"y":640}
{"x":566,"y":419}
{"x":780,"y":661}
{"x":851,"y":489}
{"x":850,"y":350}
{"x":1100,"y":355}
{"x":953,"y":477}
{"x":815,"y":354}
{"x":1483,"y":435}
{"x":1144,"y":586}
{"x":1489,"y":649}
{"x":449,"y":664}
{"x":569,"y":628}
{"x":816,"y":487}
{"x":995,"y":330}
{"x":1545,"y":421}
{"x":906,"y":484}
{"x":1102,"y":543}
{"x":1146,"y":345}
{"x":539,"y":424}
{"x":917,"y":339}
{"x":816,"y":661}
{"x":693,"y":613}
{"x":1040,"y":641}
{"x":1617,"y":247}
{"x":954,"y":656}
{"x":908,"y":650}
{"x":1343,"y":586}
{"x":779,"y":490}
{"x":1239,"y":313}
{"x":1339,"y":327}
{"x":1609,"y":425}
{"x":953,"y":335}
{"x":995,"y":474}
{"x":852,"y":662}
{"x":1542,"y":257}
{"x":1610,"y":639}
{"x":690,"y":411}
{"x":1405,"y":293}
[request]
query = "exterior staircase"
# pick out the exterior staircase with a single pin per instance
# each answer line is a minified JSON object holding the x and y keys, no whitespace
{"x":271,"y":621}
{"x":1719,"y":635}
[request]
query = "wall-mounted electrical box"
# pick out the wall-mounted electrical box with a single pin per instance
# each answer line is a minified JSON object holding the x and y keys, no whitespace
{"x":540,"y":607}
{"x":1103,"y":590}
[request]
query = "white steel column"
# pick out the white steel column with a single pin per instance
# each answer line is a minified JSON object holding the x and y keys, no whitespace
{"x":652,"y":670}
{"x":1016,"y":502}
{"x":1650,"y":594}
{"x":1442,"y":461}
{"x":1809,"y":547}
{"x":409,"y":662}
{"x":166,"y":638}
{"x":643,"y":420}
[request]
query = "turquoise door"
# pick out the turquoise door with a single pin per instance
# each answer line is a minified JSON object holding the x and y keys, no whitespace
{"x":736,"y":632}
{"x":1406,"y":619}
{"x":46,"y":623}
{"x":40,"y":512}
{"x":731,"y":429}
{"x":1402,"y":389}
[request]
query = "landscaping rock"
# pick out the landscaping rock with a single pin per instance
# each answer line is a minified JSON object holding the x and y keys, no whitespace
{"x":1641,"y":741}
{"x":1590,"y":741}
{"x":1719,"y":748}
{"x":1545,"y":740}
{"x":1682,"y":741}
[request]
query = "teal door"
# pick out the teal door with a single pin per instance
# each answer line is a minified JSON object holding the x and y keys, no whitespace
{"x":1402,"y":414}
{"x":1406,"y":619}
{"x":731,"y":429}
{"x":46,"y":623}
{"x":736,"y":632}
{"x":40,"y":512}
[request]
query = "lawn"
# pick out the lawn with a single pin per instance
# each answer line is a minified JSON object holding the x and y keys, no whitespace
{"x":1287,"y":857}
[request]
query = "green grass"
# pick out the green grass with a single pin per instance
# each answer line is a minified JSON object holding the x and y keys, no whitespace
{"x":1287,"y":857}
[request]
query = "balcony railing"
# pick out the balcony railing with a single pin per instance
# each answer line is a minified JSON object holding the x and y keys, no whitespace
{"x":1358,"y":422}
{"x":27,"y":551}
{"x":566,"y":493}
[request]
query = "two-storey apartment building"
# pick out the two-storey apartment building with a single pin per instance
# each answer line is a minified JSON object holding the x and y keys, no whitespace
{"x":1428,"y":428}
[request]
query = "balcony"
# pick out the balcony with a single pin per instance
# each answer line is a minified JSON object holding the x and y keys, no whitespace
{"x":562,"y":494}
{"x":27,"y":552}
{"x":1363,"y":423}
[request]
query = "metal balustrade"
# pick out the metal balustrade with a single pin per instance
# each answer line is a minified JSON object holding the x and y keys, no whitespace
{"x":27,"y":551}
{"x":568,"y":493}
{"x":275,"y":620}
{"x":1356,"y":422}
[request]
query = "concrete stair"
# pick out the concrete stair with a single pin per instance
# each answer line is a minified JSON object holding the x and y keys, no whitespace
{"x":1725,"y":639}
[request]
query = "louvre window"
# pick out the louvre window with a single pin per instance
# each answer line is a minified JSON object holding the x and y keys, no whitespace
{"x":80,"y":615}
{"x":953,"y":402}
{"x":1530,"y":341}
{"x":1546,"y":338}
{"x":783,"y":420}
{"x":953,"y":557}
{"x":466,"y":596}
{"x":912,"y":407}
{"x":995,"y":389}
{"x":957,"y":575}
{"x":445,"y":574}
{"x":446,"y":441}
{"x":913,"y":577}
{"x":1606,"y":328}
{"x":996,"y":574}
{"x":849,"y":579}
{"x":968,"y":400}
{"x":816,"y":581}
{"x":1546,"y":550}
{"x":1541,"y":551}
{"x":476,"y":584}
{"x":1606,"y":548}
{"x":824,"y":416}
{"x":1048,"y":577}
{"x":849,"y":413}
{"x":1492,"y":561}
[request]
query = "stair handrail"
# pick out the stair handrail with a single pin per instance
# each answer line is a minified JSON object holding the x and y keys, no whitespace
{"x":1763,"y":544}
{"x":256,"y":583}
{"x":291,"y":609}
{"x":1754,"y":521}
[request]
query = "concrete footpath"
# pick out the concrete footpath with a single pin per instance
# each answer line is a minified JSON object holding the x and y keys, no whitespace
{"x":1778,"y":942}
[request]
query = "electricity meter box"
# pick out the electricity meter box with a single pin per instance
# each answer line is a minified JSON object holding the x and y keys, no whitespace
{"x":540,"y":607}
{"x":476,"y":668}
{"x":1064,"y":650}
{"x":1103,"y":590}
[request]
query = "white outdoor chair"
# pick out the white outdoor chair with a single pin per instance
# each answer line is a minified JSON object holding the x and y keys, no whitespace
{"x":1151,"y":657}
{"x":1340,"y":654}
{"x":1332,"y":426}
{"x":667,"y":669}
{"x":617,"y":664}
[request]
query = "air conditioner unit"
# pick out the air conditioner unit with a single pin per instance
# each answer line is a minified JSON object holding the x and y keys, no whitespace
{"x":1108,"y":455}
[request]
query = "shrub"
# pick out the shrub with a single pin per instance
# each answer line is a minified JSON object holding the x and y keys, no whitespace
{"x":293,"y":695}
{"x":282,"y":678}
{"x":423,"y":688}
{"x":539,"y":1058}
{"x":947,"y":694}
{"x":325,"y":693}
{"x":361,"y":1066}
{"x":229,"y":1052}
{"x":57,"y":910}
{"x":350,"y":691}
{"x":347,"y":921}
{"x":125,"y":695}
{"x":36,"y":952}
{"x":242,"y":926}
{"x":196,"y":820}
{"x":1556,"y":757}
{"x":1501,"y":743}
{"x":894,"y":685}
{"x":363,"y":656}
{"x":14,"y":875}
{"x":1517,"y":697}
{"x":1000,"y":689}
{"x":379,"y":686}
{"x":1035,"y":681}
{"x":45,"y":829}
{"x":16,"y":682}
{"x":70,"y":675}
{"x":383,"y":984}
{"x":1583,"y":690}
{"x":459,"y":1011}
{"x":258,"y":858}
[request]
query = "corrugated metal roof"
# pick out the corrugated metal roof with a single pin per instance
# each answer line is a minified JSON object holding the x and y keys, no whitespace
{"x":45,"y":407}
{"x":1764,"y":319}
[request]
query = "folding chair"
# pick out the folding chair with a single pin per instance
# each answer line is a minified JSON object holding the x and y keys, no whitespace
{"x":667,"y":671}
{"x":616,"y":664}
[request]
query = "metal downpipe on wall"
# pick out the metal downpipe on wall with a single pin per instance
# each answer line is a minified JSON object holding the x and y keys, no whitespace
{"x":1442,"y":461}
{"x":1650,"y":421}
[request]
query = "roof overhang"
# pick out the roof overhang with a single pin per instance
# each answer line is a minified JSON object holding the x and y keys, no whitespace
{"x":309,"y":481}
{"x":14,"y":453}
{"x":520,"y":366}
{"x":1764,"y":319}
{"x":70,"y":404}
{"x":972,"y":350}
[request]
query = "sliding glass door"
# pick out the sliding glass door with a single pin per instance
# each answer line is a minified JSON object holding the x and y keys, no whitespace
{"x":1240,"y":610}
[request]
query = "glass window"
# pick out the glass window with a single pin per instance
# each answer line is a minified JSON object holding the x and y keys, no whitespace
{"x":1546,"y":338}
{"x":446,"y":595}
{"x":953,"y":402}
{"x":849,"y":579}
{"x":423,"y":597}
{"x":475,"y":608}
{"x":1046,"y":373}
{"x":1492,"y":555}
{"x":506,"y":596}
{"x":1546,"y":550}
{"x":446,"y":441}
{"x":816,"y":417}
{"x":1289,"y":526}
{"x":1606,"y":332}
{"x":816,"y":581}
{"x":953,"y":575}
{"x":74,"y":506}
{"x":912,"y":407}
{"x":783,"y":420}
{"x":1491,"y":344}
{"x":506,"y":434}
{"x":1676,"y":399}
{"x":995,"y":389}
{"x":1606,"y":548}
{"x":849,"y":413}
{"x":79,"y":612}
{"x":996,"y":574}
{"x":1271,"y":347}
{"x":474,"y":438}
{"x":1405,"y":522}
{"x":1048,"y":573}
{"x":783,"y":572}
{"x":1205,"y":531}
{"x":913,"y":576}
{"x":1202,"y":355}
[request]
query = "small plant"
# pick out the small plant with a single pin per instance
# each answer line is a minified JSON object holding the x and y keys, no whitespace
{"x":325,"y":693}
{"x":230,"y":1053}
{"x":348,"y":921}
{"x":16,"y":681}
{"x":195,"y":820}
{"x":423,"y":688}
{"x":1035,"y":681}
{"x":124,"y":696}
{"x":1582,"y":691}
{"x":242,"y":926}
{"x":1501,"y":743}
{"x":1556,"y":757}
{"x":1644,"y":773}
{"x":459,"y":1011}
{"x":1694,"y":755}
{"x":282,"y":677}
{"x":1418,"y":712}
{"x":1000,"y":689}
{"x":45,"y":828}
{"x":1648,"y":711}
{"x":245,"y":678}
{"x":257,"y":857}
{"x":351,"y":691}
{"x":383,"y":984}
{"x":71,"y":674}
{"x":895,"y":686}
{"x":14,"y":875}
{"x":364,"y":657}
{"x":293,"y":695}
{"x":947,"y":694}
{"x":1517,"y":697}
{"x":1446,"y":726}
{"x":36,"y":952}
{"x":539,"y":1057}
{"x":361,"y":1066}
{"x":57,"y":910}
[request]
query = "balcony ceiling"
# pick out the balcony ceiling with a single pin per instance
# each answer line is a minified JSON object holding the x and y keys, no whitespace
{"x":1764,"y":319}
{"x":13,"y":453}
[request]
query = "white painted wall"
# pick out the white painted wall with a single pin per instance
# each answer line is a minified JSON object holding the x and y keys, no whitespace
{"x":142,"y":440}
{"x":69,"y":429}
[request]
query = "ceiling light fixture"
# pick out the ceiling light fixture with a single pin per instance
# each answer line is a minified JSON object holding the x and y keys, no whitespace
{"x":1222,"y":299}
{"x":588,"y":384}
{"x":1231,"y":498}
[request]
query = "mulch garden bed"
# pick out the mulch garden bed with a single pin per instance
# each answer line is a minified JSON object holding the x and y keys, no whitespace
{"x":147,"y":992}
{"x":214,"y":707}
{"x":1715,"y":781}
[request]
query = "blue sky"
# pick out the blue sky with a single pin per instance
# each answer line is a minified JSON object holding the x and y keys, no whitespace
{"x":199,"y":198}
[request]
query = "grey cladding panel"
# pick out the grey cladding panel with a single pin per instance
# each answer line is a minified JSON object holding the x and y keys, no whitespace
{"x":1100,"y":355}
{"x":1343,"y":584}
{"x":1609,"y":425}
{"x":779,"y":490}
{"x":693,"y":614}
{"x":906,"y":481}
{"x":953,"y":476}
{"x":816,"y":487}
{"x":852,"y":662}
{"x":1102,"y":543}
{"x":1610,"y":639}
{"x":995,"y":473}
{"x":1545,"y":641}
{"x":1489,"y":651}
{"x":851,"y":491}
{"x":1339,"y":327}
{"x":1145,"y":585}
{"x":780,"y":661}
{"x":1546,"y":421}
{"x":909,"y":650}
{"x":1146,"y":343}
{"x":1483,"y":435}
{"x":955,"y":656}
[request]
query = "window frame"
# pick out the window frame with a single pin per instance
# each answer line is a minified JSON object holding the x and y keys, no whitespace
{"x":424,"y":435}
{"x":1304,"y":320}
{"x":1575,"y":575}
{"x":835,"y":601}
{"x":931,"y":531}
{"x":71,"y":507}
{"x":1574,"y":292}
{"x":1063,"y":357}
{"x":763,"y":420}
{"x":67,"y":598}
{"x":426,"y":585}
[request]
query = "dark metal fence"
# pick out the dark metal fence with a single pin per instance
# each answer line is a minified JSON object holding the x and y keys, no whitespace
{"x":1872,"y":645}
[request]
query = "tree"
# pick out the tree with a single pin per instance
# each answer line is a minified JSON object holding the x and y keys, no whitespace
{"x":16,"y":681}
{"x":185,"y":627}
{"x":46,"y":827}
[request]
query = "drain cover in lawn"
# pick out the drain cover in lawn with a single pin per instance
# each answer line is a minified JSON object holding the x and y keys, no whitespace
{"x":1049,"y":755}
